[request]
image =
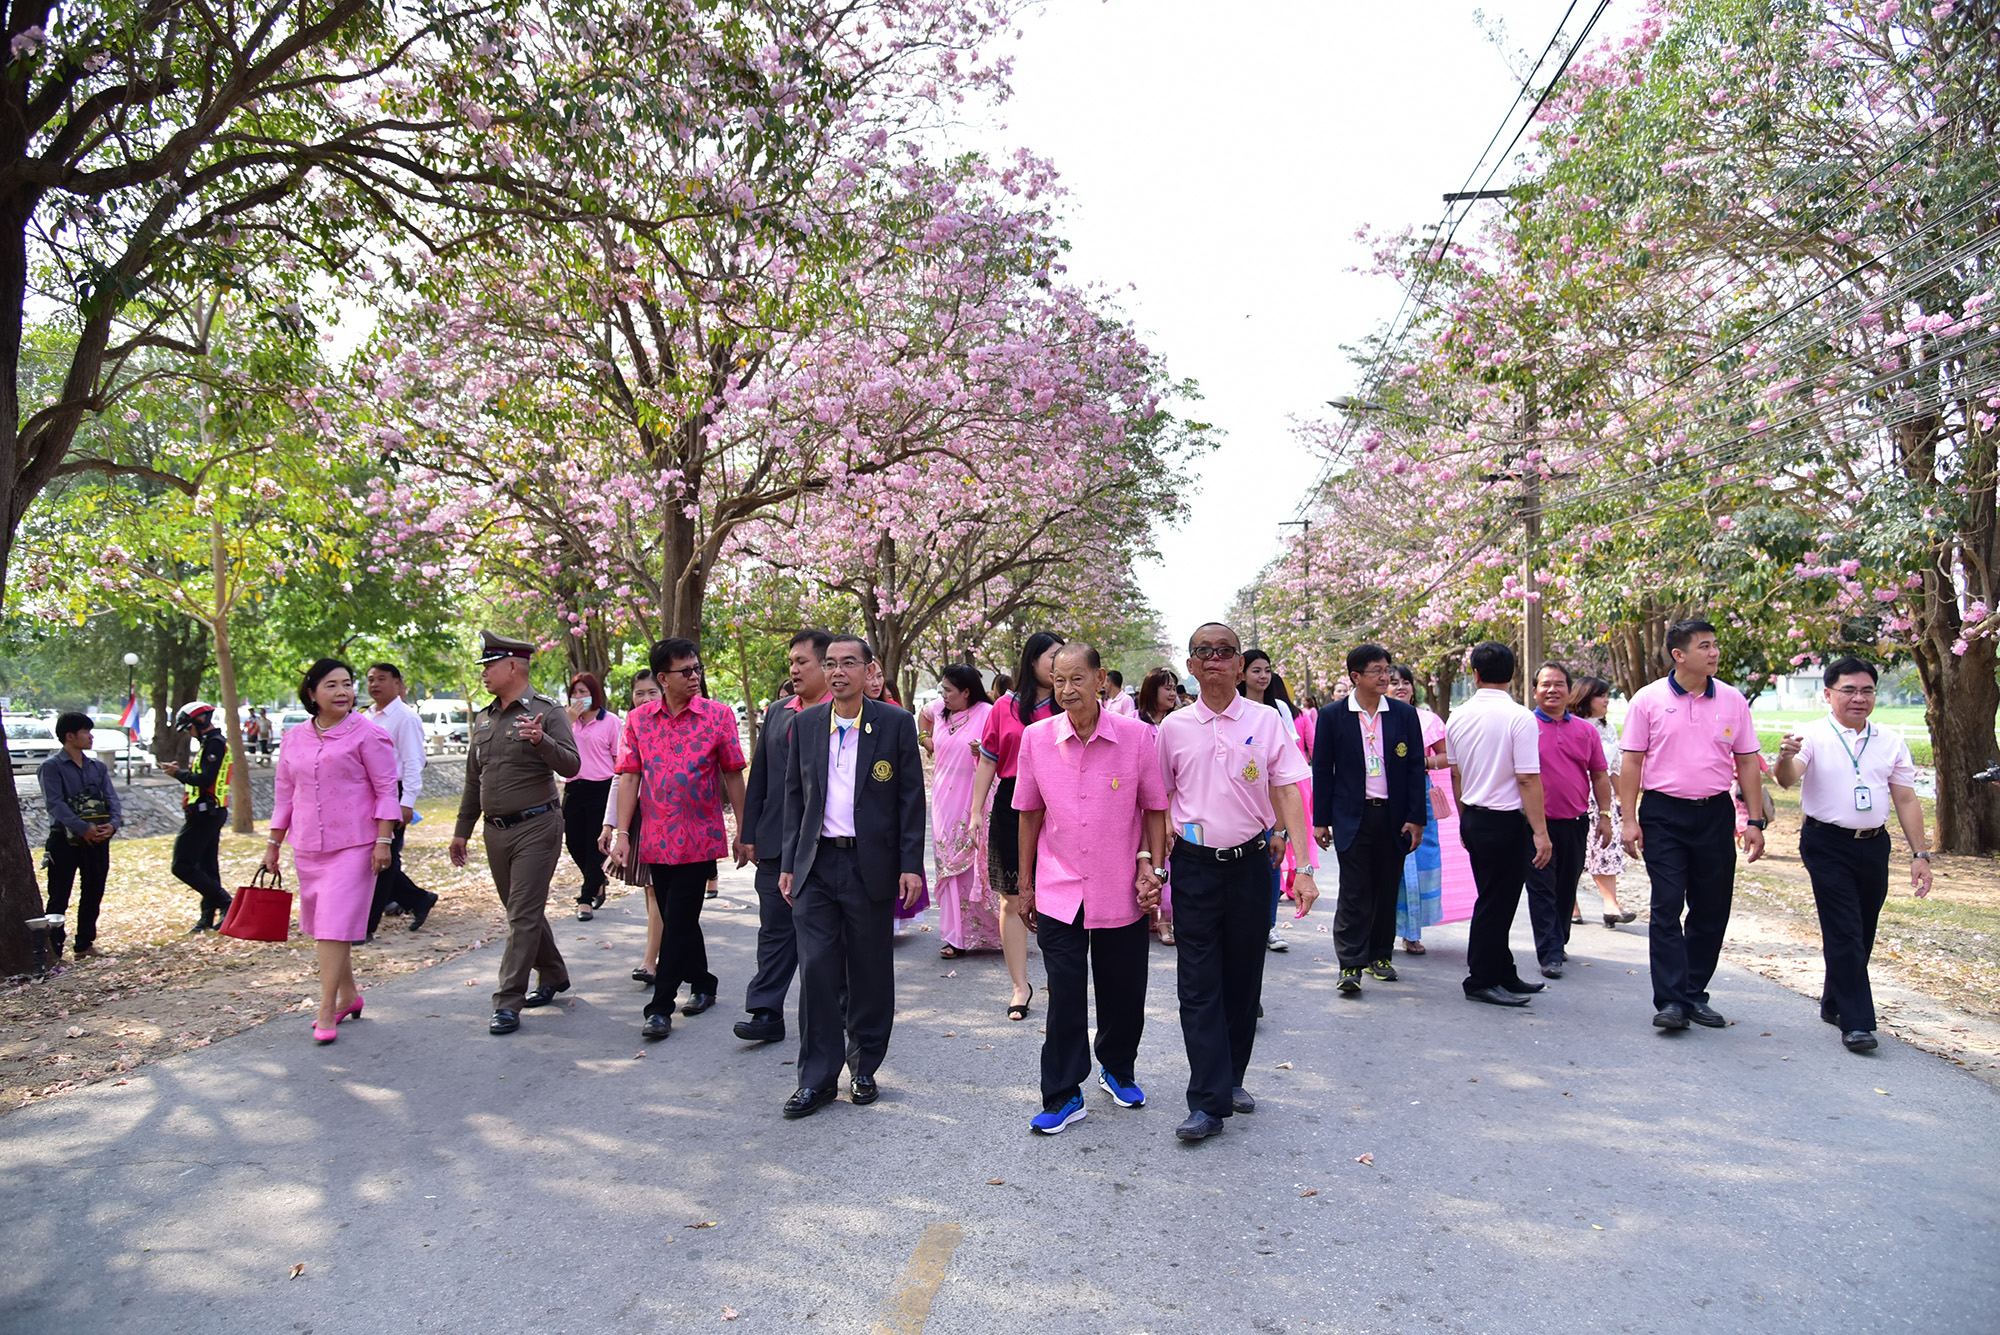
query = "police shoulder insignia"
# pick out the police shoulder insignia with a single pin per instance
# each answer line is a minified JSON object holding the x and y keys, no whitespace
{"x":884,"y":771}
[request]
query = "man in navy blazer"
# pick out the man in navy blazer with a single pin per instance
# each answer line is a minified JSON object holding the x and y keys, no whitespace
{"x":1369,"y":806}
{"x":853,"y":839}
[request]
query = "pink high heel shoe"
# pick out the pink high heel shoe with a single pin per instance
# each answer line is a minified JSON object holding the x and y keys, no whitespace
{"x":352,"y":1012}
{"x":325,"y":1036}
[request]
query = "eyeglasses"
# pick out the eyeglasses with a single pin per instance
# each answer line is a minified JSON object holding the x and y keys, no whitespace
{"x":688,"y":673}
{"x":851,"y":664}
{"x":1855,"y":692}
{"x":1379,"y":670}
{"x":1215,"y":653}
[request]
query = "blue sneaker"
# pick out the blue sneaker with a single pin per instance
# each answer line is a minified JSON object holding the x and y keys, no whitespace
{"x":1124,"y":1095}
{"x":1052,"y":1123}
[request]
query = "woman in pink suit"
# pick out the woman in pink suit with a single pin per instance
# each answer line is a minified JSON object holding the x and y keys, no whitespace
{"x":336,"y":798}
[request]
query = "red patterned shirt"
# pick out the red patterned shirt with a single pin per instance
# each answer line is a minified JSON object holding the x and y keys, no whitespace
{"x":680,"y":759}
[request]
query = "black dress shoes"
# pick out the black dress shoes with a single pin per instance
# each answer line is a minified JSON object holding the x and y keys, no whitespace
{"x":761,"y":1027}
{"x":1552,"y":971}
{"x":805,"y":1102}
{"x":422,"y":912}
{"x":1494,"y":996}
{"x":1859,"y":1040}
{"x":504,"y":1022}
{"x":1241,"y":1101}
{"x":643,"y":976}
{"x":1199,"y":1126}
{"x":865,"y":1090}
{"x":656,"y":1026}
{"x":542,"y":996}
{"x":698,"y":1002}
{"x":1671,"y":1016}
{"x":1705,"y":1015}
{"x":1521,"y":989}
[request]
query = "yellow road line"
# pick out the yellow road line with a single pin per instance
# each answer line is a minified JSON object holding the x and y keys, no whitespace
{"x":909,"y":1307}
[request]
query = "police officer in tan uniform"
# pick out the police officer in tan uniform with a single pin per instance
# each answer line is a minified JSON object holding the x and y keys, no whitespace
{"x":519,"y":744}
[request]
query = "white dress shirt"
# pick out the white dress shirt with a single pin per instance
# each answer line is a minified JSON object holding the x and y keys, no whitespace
{"x":406,"y":730}
{"x":1839,"y":764}
{"x":1491,"y":740}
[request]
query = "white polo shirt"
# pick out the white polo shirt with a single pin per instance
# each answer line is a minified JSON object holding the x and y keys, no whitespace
{"x":1491,"y":739}
{"x":1841,"y":764}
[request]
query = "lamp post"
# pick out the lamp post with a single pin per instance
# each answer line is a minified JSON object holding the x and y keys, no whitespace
{"x":131,"y":696}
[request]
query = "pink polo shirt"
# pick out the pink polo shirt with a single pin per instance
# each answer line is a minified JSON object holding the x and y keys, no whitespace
{"x":1571,"y":753}
{"x":1690,"y":741}
{"x":1220,"y":768}
{"x":1094,"y":796}
{"x":599,"y":740}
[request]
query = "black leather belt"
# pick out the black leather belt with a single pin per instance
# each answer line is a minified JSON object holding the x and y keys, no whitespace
{"x":1375,"y":801}
{"x":838,"y":840}
{"x":509,"y":822}
{"x":1843,"y":831}
{"x":1236,"y":854}
{"x":207,"y":806}
{"x":1654,"y":794}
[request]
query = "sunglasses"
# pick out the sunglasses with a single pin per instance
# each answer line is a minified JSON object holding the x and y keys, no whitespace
{"x":690,"y":673}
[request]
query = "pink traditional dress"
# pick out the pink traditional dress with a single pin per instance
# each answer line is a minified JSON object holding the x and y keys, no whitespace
{"x":1458,"y":889}
{"x":967,"y":916}
{"x":1303,"y":723}
{"x":331,"y":789}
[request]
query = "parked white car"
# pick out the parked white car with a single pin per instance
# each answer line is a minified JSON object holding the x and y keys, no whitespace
{"x":447,"y":723}
{"x":31,"y":739}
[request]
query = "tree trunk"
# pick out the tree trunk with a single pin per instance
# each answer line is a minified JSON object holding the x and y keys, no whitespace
{"x":242,"y":817}
{"x":1961,"y":702}
{"x":1439,"y":683}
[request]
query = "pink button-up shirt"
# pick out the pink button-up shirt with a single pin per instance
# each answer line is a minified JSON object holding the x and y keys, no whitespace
{"x":1377,"y":783}
{"x":598,"y":743}
{"x":680,"y":760}
{"x":1220,"y":768}
{"x":333,"y":787}
{"x":1094,"y":796}
{"x":1690,"y":741}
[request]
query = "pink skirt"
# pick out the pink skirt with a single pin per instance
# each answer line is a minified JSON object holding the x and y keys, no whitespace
{"x":336,"y":888}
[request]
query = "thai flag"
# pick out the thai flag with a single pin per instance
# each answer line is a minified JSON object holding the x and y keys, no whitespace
{"x":129,"y":719}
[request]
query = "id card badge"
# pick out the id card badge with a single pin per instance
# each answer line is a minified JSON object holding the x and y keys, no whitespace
{"x":1864,"y":798}
{"x":1374,"y":765}
{"x":1191,"y":831}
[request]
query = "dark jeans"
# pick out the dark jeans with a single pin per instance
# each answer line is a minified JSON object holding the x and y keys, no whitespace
{"x":1371,"y":880}
{"x":1850,"y":879}
{"x":1220,"y":916}
{"x":584,"y":801}
{"x":93,"y":863}
{"x":394,"y":886}
{"x":197,"y":862}
{"x":1552,"y":889}
{"x":1116,"y":957}
{"x":1500,"y":845}
{"x":1690,"y":851}
{"x":777,"y":944}
{"x":678,"y":886}
{"x":847,"y":970}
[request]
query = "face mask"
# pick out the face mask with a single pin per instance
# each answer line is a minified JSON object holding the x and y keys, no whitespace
{"x":579,"y":700}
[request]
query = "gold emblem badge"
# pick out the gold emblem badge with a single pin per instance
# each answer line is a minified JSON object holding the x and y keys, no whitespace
{"x":1250,"y":772}
{"x":1402,"y":749}
{"x":884,"y":771}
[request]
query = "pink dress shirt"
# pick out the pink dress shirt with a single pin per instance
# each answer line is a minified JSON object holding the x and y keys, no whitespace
{"x":1377,"y":784}
{"x":1121,"y":704}
{"x":331,"y":788}
{"x":843,"y":751}
{"x":1219,"y":770}
{"x":680,"y":760}
{"x":1690,"y":741}
{"x":1492,"y":741}
{"x":1571,"y":753}
{"x":1094,"y":796}
{"x":598,"y":739}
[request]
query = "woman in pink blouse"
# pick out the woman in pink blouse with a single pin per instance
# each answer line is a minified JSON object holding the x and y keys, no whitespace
{"x":336,"y":799}
{"x":597,"y":732}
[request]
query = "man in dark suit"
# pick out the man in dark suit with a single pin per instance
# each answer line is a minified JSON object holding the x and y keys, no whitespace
{"x":1369,"y":807}
{"x":764,"y":817}
{"x":853,"y":838}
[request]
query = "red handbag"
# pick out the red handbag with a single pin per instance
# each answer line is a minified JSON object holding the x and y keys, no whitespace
{"x":261,"y":911}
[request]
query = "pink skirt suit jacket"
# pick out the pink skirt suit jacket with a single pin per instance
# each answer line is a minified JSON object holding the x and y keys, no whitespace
{"x":331,"y":789}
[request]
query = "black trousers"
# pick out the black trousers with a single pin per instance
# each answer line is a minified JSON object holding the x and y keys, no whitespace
{"x":1501,"y":846}
{"x":394,"y":886}
{"x":1552,"y":889}
{"x":68,"y":861}
{"x":1220,"y":914}
{"x":197,"y":862}
{"x":846,"y":940}
{"x":1116,"y":958}
{"x":777,"y":944}
{"x":1850,"y":880}
{"x":1371,"y":880}
{"x":584,"y":801}
{"x":1690,"y":850}
{"x":677,"y":888}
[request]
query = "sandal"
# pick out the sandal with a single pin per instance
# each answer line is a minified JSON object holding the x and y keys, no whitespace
{"x":951,"y":952}
{"x":1018,"y":1011}
{"x":1415,"y":947}
{"x":1166,"y":933}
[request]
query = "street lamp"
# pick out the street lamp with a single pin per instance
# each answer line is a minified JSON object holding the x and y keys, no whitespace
{"x":131,"y":706}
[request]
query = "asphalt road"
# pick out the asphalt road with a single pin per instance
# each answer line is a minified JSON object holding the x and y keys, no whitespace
{"x":1563,"y":1168}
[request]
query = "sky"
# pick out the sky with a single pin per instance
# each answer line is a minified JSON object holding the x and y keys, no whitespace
{"x":1219,"y":159}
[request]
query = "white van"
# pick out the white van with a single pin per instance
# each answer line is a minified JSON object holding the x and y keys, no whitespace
{"x":447,"y":723}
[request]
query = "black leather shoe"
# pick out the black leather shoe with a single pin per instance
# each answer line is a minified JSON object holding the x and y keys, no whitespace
{"x":643,"y":976}
{"x":1521,"y":989}
{"x":761,"y":1027}
{"x":805,"y":1102}
{"x":422,"y":913}
{"x":1705,"y":1015}
{"x":1199,"y":1126}
{"x":865,"y":1090}
{"x":1859,"y":1040}
{"x":1241,"y":1101}
{"x":542,"y":996}
{"x":1552,"y":971}
{"x":1671,"y":1016}
{"x":1494,"y":996}
{"x":504,"y":1022}
{"x":698,"y":1002}
{"x":656,"y":1026}
{"x":1833,"y":1020}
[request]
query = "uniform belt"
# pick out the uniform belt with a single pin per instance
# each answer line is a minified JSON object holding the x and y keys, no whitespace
{"x":1236,"y":854}
{"x":1844,"y":831}
{"x":207,"y":806}
{"x":509,"y":822}
{"x":1652,"y":794}
{"x":838,"y":840}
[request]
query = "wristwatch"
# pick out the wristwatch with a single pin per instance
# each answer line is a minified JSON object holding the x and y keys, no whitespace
{"x":1758,"y":824}
{"x":1925,"y":856}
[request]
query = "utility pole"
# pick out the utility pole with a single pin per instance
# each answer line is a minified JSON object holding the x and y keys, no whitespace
{"x":1305,"y":527}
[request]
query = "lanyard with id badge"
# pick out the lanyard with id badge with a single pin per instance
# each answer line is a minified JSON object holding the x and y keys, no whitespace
{"x":1864,"y":794}
{"x":1371,"y":741}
